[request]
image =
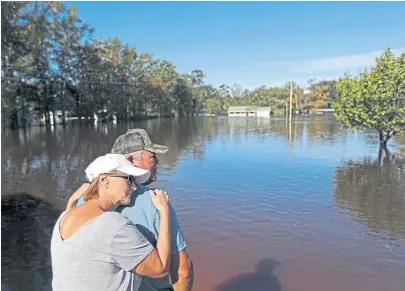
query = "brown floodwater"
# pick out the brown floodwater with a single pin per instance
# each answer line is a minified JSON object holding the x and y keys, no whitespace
{"x":265,"y":205}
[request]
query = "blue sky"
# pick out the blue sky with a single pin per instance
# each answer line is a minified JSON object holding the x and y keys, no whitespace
{"x":255,"y":43}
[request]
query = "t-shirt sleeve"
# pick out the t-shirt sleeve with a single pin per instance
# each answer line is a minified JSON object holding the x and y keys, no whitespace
{"x":129,"y":247}
{"x":178,"y":243}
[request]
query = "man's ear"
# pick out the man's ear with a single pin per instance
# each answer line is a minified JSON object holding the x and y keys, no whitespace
{"x":135,"y":157}
{"x":129,"y":157}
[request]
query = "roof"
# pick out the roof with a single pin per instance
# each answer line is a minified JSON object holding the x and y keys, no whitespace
{"x":248,"y":108}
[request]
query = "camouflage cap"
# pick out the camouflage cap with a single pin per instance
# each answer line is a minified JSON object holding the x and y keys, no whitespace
{"x":136,"y":140}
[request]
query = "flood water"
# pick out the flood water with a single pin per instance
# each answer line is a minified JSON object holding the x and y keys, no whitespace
{"x":264,"y":205}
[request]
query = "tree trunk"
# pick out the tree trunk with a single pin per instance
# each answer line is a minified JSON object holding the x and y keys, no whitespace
{"x":79,"y":114}
{"x":383,"y":154}
{"x":14,"y":118}
{"x":47,"y":118}
{"x":46,"y":105}
{"x":63,"y":103}
{"x":383,"y":145}
{"x":78,"y":107}
{"x":23,"y":115}
{"x":384,"y":138}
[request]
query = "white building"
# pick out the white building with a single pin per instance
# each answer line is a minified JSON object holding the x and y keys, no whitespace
{"x":249,"y":111}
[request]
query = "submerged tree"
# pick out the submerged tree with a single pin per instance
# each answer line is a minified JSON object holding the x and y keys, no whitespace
{"x":376,"y":99}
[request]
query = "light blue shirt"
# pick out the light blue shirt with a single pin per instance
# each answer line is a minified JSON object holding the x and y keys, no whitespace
{"x":146,"y":218}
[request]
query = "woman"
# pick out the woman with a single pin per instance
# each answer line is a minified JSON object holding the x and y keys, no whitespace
{"x":96,"y":248}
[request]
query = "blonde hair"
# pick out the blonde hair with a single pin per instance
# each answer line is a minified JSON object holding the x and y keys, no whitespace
{"x":93,"y":191}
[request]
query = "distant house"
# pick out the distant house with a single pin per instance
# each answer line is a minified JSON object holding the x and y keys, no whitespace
{"x":325,"y":111}
{"x":249,"y":111}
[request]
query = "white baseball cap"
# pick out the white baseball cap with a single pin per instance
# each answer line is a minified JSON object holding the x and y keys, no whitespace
{"x":109,"y":162}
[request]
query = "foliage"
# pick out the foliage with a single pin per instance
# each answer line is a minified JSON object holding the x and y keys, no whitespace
{"x":321,"y":94}
{"x":279,"y":97}
{"x":51,"y":62}
{"x":213,"y":106}
{"x":49,"y":50}
{"x":376,"y":99}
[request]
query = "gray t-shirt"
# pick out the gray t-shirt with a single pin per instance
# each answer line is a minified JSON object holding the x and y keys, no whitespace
{"x":99,"y":255}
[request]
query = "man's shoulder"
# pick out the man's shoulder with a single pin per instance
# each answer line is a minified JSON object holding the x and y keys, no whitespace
{"x":140,"y":203}
{"x":141,"y":197}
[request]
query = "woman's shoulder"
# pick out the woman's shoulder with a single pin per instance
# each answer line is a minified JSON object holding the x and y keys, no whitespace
{"x":114,"y":217}
{"x":112,"y":222}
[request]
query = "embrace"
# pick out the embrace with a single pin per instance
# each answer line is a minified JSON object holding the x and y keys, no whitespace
{"x":116,"y":234}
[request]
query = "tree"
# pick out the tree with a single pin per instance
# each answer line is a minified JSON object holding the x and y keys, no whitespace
{"x":15,"y":61}
{"x":236,"y":91}
{"x":318,"y":94}
{"x":213,"y":106}
{"x":376,"y":99}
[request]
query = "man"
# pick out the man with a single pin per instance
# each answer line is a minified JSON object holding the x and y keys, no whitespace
{"x":136,"y":145}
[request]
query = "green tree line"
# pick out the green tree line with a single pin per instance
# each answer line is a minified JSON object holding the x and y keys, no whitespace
{"x":51,"y":61}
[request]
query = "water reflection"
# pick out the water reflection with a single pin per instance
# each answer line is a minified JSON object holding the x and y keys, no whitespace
{"x":51,"y":162}
{"x":373,"y":190}
{"x":314,"y":128}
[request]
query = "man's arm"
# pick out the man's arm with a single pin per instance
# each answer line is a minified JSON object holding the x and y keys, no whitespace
{"x":77,"y":195}
{"x":182,"y":271}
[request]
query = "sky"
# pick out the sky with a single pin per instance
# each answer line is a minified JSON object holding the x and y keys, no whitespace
{"x":255,"y":43}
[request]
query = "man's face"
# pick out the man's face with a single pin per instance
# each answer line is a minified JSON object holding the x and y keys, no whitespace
{"x":147,"y":161}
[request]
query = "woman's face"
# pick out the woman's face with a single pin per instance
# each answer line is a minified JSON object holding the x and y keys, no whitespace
{"x":120,"y":188}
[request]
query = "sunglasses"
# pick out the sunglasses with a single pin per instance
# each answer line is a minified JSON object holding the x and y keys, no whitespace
{"x":130,"y":179}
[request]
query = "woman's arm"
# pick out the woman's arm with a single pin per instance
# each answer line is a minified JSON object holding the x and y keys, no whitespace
{"x":157,"y":263}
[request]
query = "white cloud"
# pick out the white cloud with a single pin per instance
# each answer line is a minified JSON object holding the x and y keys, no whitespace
{"x":349,"y":62}
{"x":277,"y":73}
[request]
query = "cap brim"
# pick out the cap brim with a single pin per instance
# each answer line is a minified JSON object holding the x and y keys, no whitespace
{"x":141,"y":175}
{"x":157,"y":149}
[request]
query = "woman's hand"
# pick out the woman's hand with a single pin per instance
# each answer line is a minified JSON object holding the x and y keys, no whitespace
{"x":160,"y":199}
